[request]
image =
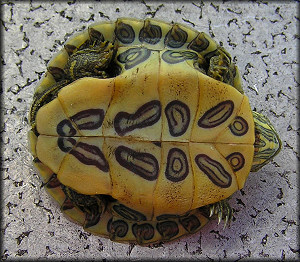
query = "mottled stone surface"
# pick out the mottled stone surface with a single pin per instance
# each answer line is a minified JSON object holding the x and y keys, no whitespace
{"x":263,"y":38}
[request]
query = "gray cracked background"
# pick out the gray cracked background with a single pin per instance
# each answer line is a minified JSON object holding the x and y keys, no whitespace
{"x":262,"y":37}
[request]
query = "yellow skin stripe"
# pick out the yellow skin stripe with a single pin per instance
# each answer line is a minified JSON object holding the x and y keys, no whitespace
{"x":267,"y":142}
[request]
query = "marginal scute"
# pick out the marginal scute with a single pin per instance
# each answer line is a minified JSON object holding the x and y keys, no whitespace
{"x":168,"y":229}
{"x":143,"y":231}
{"x":117,"y":228}
{"x":150,"y":33}
{"x":125,"y":33}
{"x":176,"y":37}
{"x":190,"y":223}
{"x":199,"y":44}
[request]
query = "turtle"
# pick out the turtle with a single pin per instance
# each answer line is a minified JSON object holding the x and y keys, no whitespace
{"x":141,"y":131}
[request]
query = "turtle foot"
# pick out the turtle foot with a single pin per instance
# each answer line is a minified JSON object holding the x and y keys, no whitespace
{"x":222,"y":210}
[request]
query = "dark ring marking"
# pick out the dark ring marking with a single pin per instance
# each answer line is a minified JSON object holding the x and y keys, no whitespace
{"x":167,"y":229}
{"x":133,"y":56}
{"x":199,"y":44}
{"x":57,"y":73}
{"x":190,"y":223}
{"x":174,"y":57}
{"x":128,"y":213}
{"x":117,"y":228}
{"x":66,"y":144}
{"x":65,"y":128}
{"x":124,"y":33}
{"x":216,"y":115}
{"x":239,"y":126}
{"x":214,"y":170}
{"x":89,"y":119}
{"x":90,"y":155}
{"x":150,"y":34}
{"x":176,"y":37}
{"x":143,"y":164}
{"x":177,"y":167}
{"x":166,"y":217}
{"x":147,"y":115}
{"x":236,"y":160}
{"x":178,"y":116}
{"x":143,"y":231}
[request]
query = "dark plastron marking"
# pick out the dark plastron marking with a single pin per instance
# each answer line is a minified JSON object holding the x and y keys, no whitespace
{"x":65,"y":128}
{"x":128,"y":213}
{"x":199,"y":44}
{"x":90,"y":155}
{"x":167,"y":229}
{"x":176,"y":37}
{"x":150,"y":34}
{"x":89,"y":119}
{"x":85,"y":153}
{"x":124,"y":33}
{"x":57,"y":73}
{"x":239,"y":126}
{"x":117,"y":228}
{"x":216,"y":115}
{"x":174,"y":57}
{"x":190,"y":223}
{"x":133,"y":56}
{"x":236,"y":160}
{"x":66,"y":144}
{"x":143,"y":231}
{"x":144,"y":165}
{"x":178,"y":116}
{"x":177,"y":167}
{"x":214,"y":170}
{"x":166,"y":217}
{"x":147,"y":115}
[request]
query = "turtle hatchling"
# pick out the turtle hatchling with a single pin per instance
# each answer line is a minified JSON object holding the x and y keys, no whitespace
{"x":141,"y":131}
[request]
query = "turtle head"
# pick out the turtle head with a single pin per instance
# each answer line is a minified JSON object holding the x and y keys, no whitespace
{"x":267,"y":142}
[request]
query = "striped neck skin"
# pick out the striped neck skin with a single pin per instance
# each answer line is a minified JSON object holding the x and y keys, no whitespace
{"x":267,"y":142}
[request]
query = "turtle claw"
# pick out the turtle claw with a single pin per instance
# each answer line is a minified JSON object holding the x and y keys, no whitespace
{"x":222,"y":210}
